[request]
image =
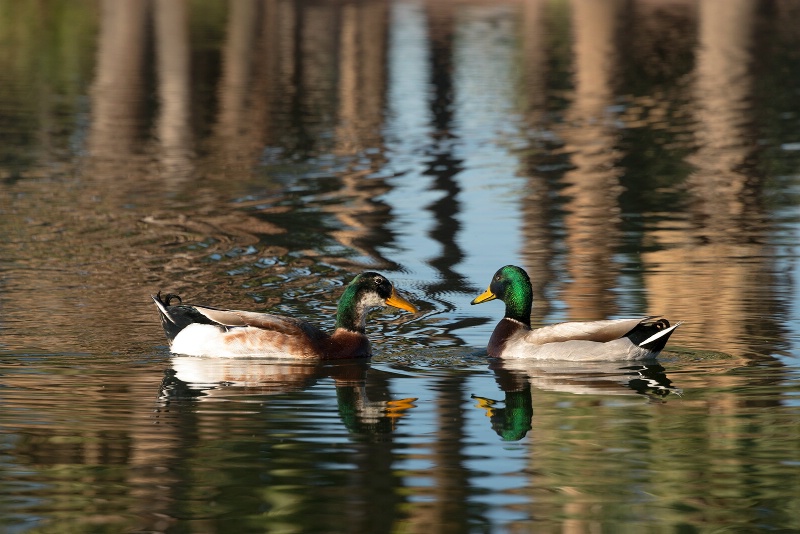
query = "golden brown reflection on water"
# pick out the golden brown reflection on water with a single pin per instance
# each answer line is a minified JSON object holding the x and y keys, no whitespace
{"x":256,"y":154}
{"x":723,"y":248}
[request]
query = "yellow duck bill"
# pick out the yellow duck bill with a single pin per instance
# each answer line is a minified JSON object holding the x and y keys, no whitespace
{"x":486,"y":296}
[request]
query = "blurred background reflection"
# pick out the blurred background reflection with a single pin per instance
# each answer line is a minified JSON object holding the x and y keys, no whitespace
{"x":637,"y":157}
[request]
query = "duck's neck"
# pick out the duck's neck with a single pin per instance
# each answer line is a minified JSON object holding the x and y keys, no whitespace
{"x":351,"y":313}
{"x":519,"y":303}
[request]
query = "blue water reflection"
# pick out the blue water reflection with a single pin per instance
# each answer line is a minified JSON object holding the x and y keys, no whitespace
{"x":636,"y":158}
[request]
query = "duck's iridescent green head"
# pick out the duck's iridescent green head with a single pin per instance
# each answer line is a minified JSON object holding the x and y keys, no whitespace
{"x":513,"y":286}
{"x":367,"y":291}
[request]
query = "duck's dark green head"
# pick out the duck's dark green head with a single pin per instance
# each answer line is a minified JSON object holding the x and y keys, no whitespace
{"x":367,"y":291}
{"x":513,"y":286}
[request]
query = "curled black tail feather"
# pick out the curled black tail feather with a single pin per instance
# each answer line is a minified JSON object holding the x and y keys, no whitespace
{"x":167,"y":301}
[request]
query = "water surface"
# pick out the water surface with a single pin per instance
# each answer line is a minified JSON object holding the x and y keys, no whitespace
{"x":637,"y":158}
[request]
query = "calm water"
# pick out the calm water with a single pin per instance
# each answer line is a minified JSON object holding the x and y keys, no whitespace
{"x":636,"y":157}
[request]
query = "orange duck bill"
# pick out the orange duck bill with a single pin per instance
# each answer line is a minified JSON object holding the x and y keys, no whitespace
{"x":398,"y":301}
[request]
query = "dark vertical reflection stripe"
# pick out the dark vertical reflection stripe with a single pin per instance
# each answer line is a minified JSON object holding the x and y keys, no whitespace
{"x":443,"y":166}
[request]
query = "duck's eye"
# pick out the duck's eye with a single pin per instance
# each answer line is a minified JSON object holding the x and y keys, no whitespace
{"x":383,"y":284}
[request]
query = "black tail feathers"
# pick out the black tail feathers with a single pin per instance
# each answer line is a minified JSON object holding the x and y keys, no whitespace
{"x":176,"y":317}
{"x":652,"y":335}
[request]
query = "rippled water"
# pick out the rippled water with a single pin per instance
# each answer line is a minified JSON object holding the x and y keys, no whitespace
{"x":636,"y":158}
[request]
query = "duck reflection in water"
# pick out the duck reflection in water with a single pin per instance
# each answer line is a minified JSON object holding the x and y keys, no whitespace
{"x":207,"y":379}
{"x":517,"y":378}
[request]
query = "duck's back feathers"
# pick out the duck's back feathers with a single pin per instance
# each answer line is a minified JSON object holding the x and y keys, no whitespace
{"x":266,"y":321}
{"x":616,"y":339}
{"x":598,"y":331}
